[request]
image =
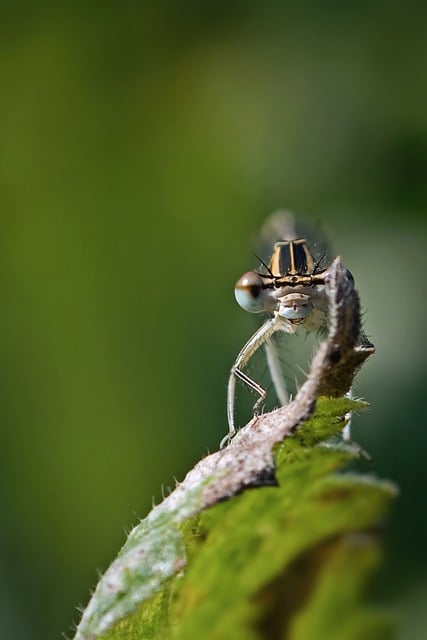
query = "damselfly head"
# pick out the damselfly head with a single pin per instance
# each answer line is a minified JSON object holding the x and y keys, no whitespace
{"x":289,"y":280}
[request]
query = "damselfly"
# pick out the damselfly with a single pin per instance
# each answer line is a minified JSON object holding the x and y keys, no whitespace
{"x":290,"y":287}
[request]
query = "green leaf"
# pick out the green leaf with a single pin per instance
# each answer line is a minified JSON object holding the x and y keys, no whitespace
{"x":287,"y":561}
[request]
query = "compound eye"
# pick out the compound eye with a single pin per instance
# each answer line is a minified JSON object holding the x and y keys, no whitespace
{"x":249,"y":292}
{"x":350,"y":276}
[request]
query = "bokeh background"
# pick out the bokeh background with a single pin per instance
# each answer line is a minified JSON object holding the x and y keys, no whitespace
{"x":141,"y":146}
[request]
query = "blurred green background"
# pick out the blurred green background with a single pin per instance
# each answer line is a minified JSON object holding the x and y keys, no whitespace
{"x":142,"y":144}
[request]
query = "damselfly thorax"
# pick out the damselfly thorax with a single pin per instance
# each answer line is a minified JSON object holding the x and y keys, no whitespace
{"x":291,"y":289}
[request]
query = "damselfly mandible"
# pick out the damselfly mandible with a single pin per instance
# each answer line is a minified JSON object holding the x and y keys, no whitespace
{"x":291,"y":289}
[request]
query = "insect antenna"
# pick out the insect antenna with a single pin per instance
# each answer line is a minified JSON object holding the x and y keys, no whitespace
{"x":269,"y":271}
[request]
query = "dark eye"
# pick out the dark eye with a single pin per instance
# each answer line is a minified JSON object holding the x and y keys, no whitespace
{"x":350,"y":276}
{"x":249,"y":292}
